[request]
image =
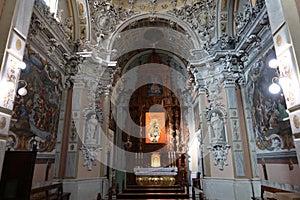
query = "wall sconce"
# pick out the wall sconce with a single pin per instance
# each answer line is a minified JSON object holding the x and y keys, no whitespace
{"x":274,"y":63}
{"x":22,"y":91}
{"x":274,"y":88}
{"x":22,"y":65}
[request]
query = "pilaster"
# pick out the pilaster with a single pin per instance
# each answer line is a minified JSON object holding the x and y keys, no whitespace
{"x":249,"y":131}
{"x":285,"y":26}
{"x":14,"y":23}
{"x":234,"y":128}
{"x":204,"y":135}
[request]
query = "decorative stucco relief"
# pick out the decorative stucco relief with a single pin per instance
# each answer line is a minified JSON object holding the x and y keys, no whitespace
{"x":216,"y":115}
{"x":89,"y":156}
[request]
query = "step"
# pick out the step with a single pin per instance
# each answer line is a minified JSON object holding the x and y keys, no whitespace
{"x":152,"y":196}
{"x":154,"y":192}
{"x":154,"y":189}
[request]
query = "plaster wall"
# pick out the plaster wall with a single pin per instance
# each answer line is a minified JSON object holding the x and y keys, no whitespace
{"x":230,"y":189}
{"x":40,"y":173}
{"x":86,"y":188}
{"x":227,"y":172}
{"x":280,"y":173}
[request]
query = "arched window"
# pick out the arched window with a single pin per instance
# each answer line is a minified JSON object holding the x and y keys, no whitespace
{"x":52,"y":5}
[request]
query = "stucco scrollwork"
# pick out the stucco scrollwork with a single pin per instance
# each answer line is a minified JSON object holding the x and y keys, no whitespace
{"x":233,"y":66}
{"x":246,"y":15}
{"x":71,"y":64}
{"x":226,"y":42}
{"x":36,"y":26}
{"x":95,"y":90}
{"x":106,"y":16}
{"x":213,"y":87}
{"x":51,"y":46}
{"x":201,"y":16}
{"x":63,"y":27}
{"x":219,"y":153}
{"x":90,"y":156}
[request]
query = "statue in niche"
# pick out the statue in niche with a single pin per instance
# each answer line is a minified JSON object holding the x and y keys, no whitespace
{"x":217,"y":127}
{"x":91,"y":129}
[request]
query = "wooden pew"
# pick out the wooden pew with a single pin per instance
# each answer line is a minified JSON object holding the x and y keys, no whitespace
{"x":49,"y":192}
{"x":265,"y":188}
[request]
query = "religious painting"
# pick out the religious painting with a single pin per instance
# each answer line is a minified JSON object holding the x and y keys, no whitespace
{"x":37,"y":113}
{"x":288,"y":73}
{"x":196,"y":117}
{"x":4,"y":123}
{"x":155,"y":127}
{"x":83,"y":22}
{"x":155,"y":159}
{"x":10,"y":73}
{"x":271,"y":124}
{"x":155,"y":88}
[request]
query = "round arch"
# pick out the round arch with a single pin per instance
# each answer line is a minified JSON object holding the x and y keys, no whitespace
{"x":190,"y":38}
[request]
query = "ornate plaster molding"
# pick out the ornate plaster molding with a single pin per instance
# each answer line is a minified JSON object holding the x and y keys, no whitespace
{"x":106,"y":16}
{"x":219,"y":153}
{"x":90,"y":155}
{"x":201,"y":17}
{"x":53,"y":40}
{"x":247,"y":15}
{"x":213,"y":86}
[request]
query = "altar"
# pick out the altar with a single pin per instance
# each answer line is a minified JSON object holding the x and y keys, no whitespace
{"x":160,"y":176}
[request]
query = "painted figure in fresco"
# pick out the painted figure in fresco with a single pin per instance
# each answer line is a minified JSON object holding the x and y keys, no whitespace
{"x":217,"y":125}
{"x":91,"y":127}
{"x":154,"y":131}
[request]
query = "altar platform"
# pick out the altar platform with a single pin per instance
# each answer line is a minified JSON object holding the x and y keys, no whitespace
{"x":155,"y":171}
{"x":160,"y":176}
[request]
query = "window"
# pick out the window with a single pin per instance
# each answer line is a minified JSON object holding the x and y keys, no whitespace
{"x":52,"y":5}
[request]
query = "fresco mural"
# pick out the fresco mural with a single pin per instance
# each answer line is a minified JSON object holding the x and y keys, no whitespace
{"x":37,"y":113}
{"x":270,"y":119}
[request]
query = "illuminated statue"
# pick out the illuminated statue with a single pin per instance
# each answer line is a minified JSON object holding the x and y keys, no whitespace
{"x":154,"y":133}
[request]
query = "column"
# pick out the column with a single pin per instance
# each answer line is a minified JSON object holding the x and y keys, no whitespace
{"x":14,"y":22}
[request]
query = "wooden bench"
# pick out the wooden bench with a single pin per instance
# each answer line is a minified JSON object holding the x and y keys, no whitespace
{"x":265,"y":188}
{"x":49,"y":192}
